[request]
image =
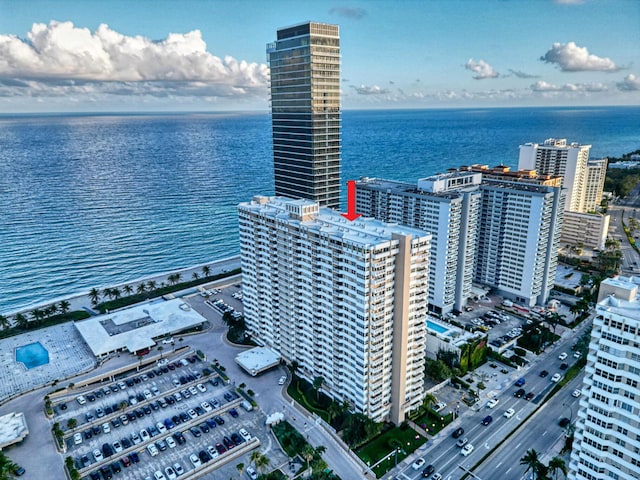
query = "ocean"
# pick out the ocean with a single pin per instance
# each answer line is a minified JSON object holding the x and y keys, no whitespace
{"x":97,"y":200}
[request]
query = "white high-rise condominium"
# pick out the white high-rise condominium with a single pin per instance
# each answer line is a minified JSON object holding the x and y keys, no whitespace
{"x":596,"y":173}
{"x":305,"y":112}
{"x":489,"y":225}
{"x":346,"y":300}
{"x":446,"y":206}
{"x":556,"y":157}
{"x":607,"y":430}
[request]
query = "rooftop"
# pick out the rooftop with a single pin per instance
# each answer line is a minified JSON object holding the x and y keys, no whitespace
{"x":137,"y":327}
{"x":257,"y":360}
{"x":13,"y":429}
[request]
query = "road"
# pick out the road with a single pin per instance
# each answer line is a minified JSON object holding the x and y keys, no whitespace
{"x":627,"y":207}
{"x":445,"y":456}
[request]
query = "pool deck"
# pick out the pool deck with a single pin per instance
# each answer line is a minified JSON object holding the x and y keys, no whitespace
{"x":68,"y":356}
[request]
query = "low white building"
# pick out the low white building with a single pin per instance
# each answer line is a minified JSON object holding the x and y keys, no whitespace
{"x":13,"y":429}
{"x":137,"y":328}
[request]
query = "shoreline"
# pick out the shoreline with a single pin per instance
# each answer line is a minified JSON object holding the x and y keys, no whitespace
{"x":80,"y":300}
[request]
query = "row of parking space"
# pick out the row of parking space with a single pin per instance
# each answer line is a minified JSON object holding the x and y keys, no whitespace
{"x":222,"y":307}
{"x":146,"y":408}
{"x":173,"y":406}
{"x":139,"y":390}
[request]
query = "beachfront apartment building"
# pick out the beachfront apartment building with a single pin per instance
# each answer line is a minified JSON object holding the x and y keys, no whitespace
{"x":490,"y":226}
{"x":587,"y":230}
{"x":305,"y":112}
{"x":447,"y":207}
{"x":596,"y":173}
{"x":569,"y":161}
{"x":607,"y":431}
{"x":346,"y":300}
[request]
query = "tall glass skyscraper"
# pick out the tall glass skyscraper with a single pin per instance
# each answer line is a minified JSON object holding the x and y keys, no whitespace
{"x":305,"y":112}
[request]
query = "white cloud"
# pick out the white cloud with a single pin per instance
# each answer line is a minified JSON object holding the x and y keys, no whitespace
{"x":481,"y":69}
{"x":542,"y":86}
{"x":572,"y":58}
{"x":60,"y":55}
{"x":629,"y":84}
{"x":370,"y":90}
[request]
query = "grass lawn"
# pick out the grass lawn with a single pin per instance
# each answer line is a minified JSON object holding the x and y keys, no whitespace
{"x":432,"y":422}
{"x":404,"y":438}
{"x":303,"y":393}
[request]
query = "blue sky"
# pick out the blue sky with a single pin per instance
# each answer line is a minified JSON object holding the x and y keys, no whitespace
{"x":210,"y":55}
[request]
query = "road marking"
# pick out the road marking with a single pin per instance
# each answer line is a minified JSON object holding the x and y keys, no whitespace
{"x":545,"y":432}
{"x":518,"y":445}
{"x":486,"y":445}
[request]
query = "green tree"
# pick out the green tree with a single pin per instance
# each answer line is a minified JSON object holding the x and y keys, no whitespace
{"x":358,"y":428}
{"x":6,"y":467}
{"x":177,"y":277}
{"x":195,"y":276}
{"x":317,"y":385}
{"x":21,"y":321}
{"x":115,"y":291}
{"x":429,"y":401}
{"x":259,"y":460}
{"x":437,"y":370}
{"x":307,"y":453}
{"x":556,"y":465}
{"x":94,"y":295}
{"x":108,"y":292}
{"x":206,"y":271}
{"x":64,"y":306}
{"x":141,"y":288}
{"x":127,"y":289}
{"x":160,"y":348}
{"x":4,"y":322}
{"x":532,"y":461}
{"x":72,"y":423}
{"x":333,"y":410}
{"x":172,"y":279}
{"x":240,"y":468}
{"x":294,"y":366}
{"x":151,"y":285}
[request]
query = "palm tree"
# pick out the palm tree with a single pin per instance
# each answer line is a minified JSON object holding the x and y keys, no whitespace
{"x":94,"y":295}
{"x":332,"y":410}
{"x":51,"y":310}
{"x":195,"y":276}
{"x":127,"y":289}
{"x":64,"y":306}
{"x":261,"y":462}
{"x":532,"y":461}
{"x":36,"y":314}
{"x":6,"y":466}
{"x":177,"y":277}
{"x":107,"y":292}
{"x":308,"y":453}
{"x":429,"y":400}
{"x":240,"y":468}
{"x":21,"y":320}
{"x":141,"y":288}
{"x":152,"y":285}
{"x":206,"y":270}
{"x":317,"y":385}
{"x":557,"y":464}
{"x":4,"y":322}
{"x":172,"y":279}
{"x":160,"y":348}
{"x":294,"y":366}
{"x":115,"y":291}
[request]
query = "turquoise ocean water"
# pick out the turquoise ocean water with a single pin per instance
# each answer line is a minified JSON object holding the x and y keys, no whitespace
{"x":96,"y":200}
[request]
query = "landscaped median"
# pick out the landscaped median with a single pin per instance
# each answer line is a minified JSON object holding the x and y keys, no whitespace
{"x":385,"y":451}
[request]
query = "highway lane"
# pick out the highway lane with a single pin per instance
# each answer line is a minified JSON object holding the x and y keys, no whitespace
{"x":442,"y":451}
{"x":540,"y":433}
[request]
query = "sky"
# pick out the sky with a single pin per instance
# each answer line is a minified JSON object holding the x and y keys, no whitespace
{"x":199,"y":55}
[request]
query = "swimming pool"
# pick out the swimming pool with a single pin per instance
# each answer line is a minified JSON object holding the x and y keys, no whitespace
{"x":437,"y":327}
{"x":32,"y":355}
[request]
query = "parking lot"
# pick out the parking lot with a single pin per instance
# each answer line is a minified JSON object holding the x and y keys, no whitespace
{"x":175,"y":417}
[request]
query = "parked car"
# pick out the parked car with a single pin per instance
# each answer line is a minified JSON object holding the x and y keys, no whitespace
{"x":576,"y":393}
{"x":562,"y":356}
{"x":556,"y":377}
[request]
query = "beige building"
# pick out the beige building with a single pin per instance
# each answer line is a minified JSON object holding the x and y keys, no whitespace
{"x":346,"y":300}
{"x":596,"y":173}
{"x":588,"y":229}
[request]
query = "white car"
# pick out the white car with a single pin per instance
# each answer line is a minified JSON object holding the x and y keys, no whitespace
{"x":206,"y":406}
{"x":152,"y":449}
{"x":161,"y":428}
{"x":251,"y":473}
{"x":171,"y":443}
{"x":577,"y":355}
{"x":201,"y":387}
{"x":556,"y":377}
{"x":192,"y":413}
{"x":462,"y":442}
{"x":195,"y":460}
{"x":244,"y":434}
{"x":178,"y":468}
{"x":467,"y":449}
{"x":135,"y":438}
{"x":212,"y":451}
{"x":158,"y":475}
{"x":77,"y":438}
{"x":97,"y":454}
{"x":117,"y":446}
{"x":439,"y":406}
{"x":193,"y":390}
{"x":144,"y":435}
{"x":106,"y":428}
{"x":493,"y":402}
{"x":576,"y":393}
{"x":282,"y":380}
{"x":81,"y":400}
{"x":122,"y":385}
{"x":418,"y":464}
{"x":147,"y":394}
{"x":562,"y":356}
{"x":509,"y":413}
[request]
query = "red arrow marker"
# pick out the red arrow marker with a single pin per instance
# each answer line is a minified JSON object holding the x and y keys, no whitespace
{"x":351,"y":202}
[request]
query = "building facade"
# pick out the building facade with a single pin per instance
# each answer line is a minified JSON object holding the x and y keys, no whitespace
{"x":607,"y":430}
{"x":596,"y":173}
{"x":305,"y":112}
{"x":346,"y":300}
{"x":490,"y":226}
{"x":447,"y":207}
{"x":587,"y":230}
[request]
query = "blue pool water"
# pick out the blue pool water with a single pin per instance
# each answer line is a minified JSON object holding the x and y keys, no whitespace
{"x":32,"y":355}
{"x":436,"y":327}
